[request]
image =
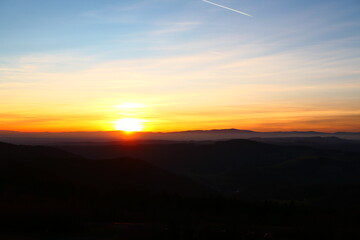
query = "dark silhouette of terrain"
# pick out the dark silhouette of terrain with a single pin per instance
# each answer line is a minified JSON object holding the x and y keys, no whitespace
{"x":252,"y":170}
{"x":236,"y":189}
{"x":29,"y":164}
{"x":327,"y":143}
{"x":40,"y":185}
{"x":46,"y":138}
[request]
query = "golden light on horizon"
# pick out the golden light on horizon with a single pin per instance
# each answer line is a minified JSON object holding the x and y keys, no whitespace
{"x":129,"y":125}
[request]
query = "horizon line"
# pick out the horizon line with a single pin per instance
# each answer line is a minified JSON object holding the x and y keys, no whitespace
{"x":195,"y":130}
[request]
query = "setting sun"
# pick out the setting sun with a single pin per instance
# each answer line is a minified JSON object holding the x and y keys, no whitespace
{"x":129,"y":125}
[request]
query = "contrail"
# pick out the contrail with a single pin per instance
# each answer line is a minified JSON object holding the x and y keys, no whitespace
{"x":231,"y":9}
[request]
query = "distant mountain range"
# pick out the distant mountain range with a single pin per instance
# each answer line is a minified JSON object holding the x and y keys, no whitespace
{"x":195,"y":135}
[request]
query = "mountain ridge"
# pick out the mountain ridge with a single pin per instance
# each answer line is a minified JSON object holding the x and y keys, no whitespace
{"x":44,"y":138}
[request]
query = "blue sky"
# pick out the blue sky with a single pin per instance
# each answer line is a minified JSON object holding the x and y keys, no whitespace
{"x":30,"y":26}
{"x":296,"y":60}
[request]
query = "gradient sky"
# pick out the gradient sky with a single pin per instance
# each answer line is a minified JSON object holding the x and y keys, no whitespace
{"x":68,"y":65}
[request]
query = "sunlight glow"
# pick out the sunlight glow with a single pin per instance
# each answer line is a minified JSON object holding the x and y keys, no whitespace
{"x":130,"y":105}
{"x":180,"y":67}
{"x":129,"y":125}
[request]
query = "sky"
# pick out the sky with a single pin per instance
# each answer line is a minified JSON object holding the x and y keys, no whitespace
{"x":86,"y":65}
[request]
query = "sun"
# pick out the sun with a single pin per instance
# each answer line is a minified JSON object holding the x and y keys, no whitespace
{"x":129,"y":125}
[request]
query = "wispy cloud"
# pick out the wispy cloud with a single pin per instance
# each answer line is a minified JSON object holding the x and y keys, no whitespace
{"x":175,"y":27}
{"x":293,"y":76}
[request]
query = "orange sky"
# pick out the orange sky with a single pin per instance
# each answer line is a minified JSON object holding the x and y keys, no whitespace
{"x":178,"y":118}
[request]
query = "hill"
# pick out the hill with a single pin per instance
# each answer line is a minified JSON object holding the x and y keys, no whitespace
{"x":24,"y":166}
{"x":249,"y":169}
{"x":50,"y":193}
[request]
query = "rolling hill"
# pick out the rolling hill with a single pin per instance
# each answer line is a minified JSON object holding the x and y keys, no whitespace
{"x":247,"y":168}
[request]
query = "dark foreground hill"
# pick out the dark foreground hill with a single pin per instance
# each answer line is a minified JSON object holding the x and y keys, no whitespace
{"x":47,"y":193}
{"x":326,"y":143}
{"x":22,"y":167}
{"x":250,"y":169}
{"x":44,"y":185}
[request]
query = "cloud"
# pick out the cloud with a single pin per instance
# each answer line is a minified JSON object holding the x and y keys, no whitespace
{"x":316,"y":81}
{"x":175,"y":27}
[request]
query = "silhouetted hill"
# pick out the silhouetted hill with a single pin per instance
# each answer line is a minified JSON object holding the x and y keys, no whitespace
{"x":46,"y":191}
{"x":248,"y":168}
{"x":11,"y":152}
{"x":328,"y":143}
{"x":47,"y":169}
